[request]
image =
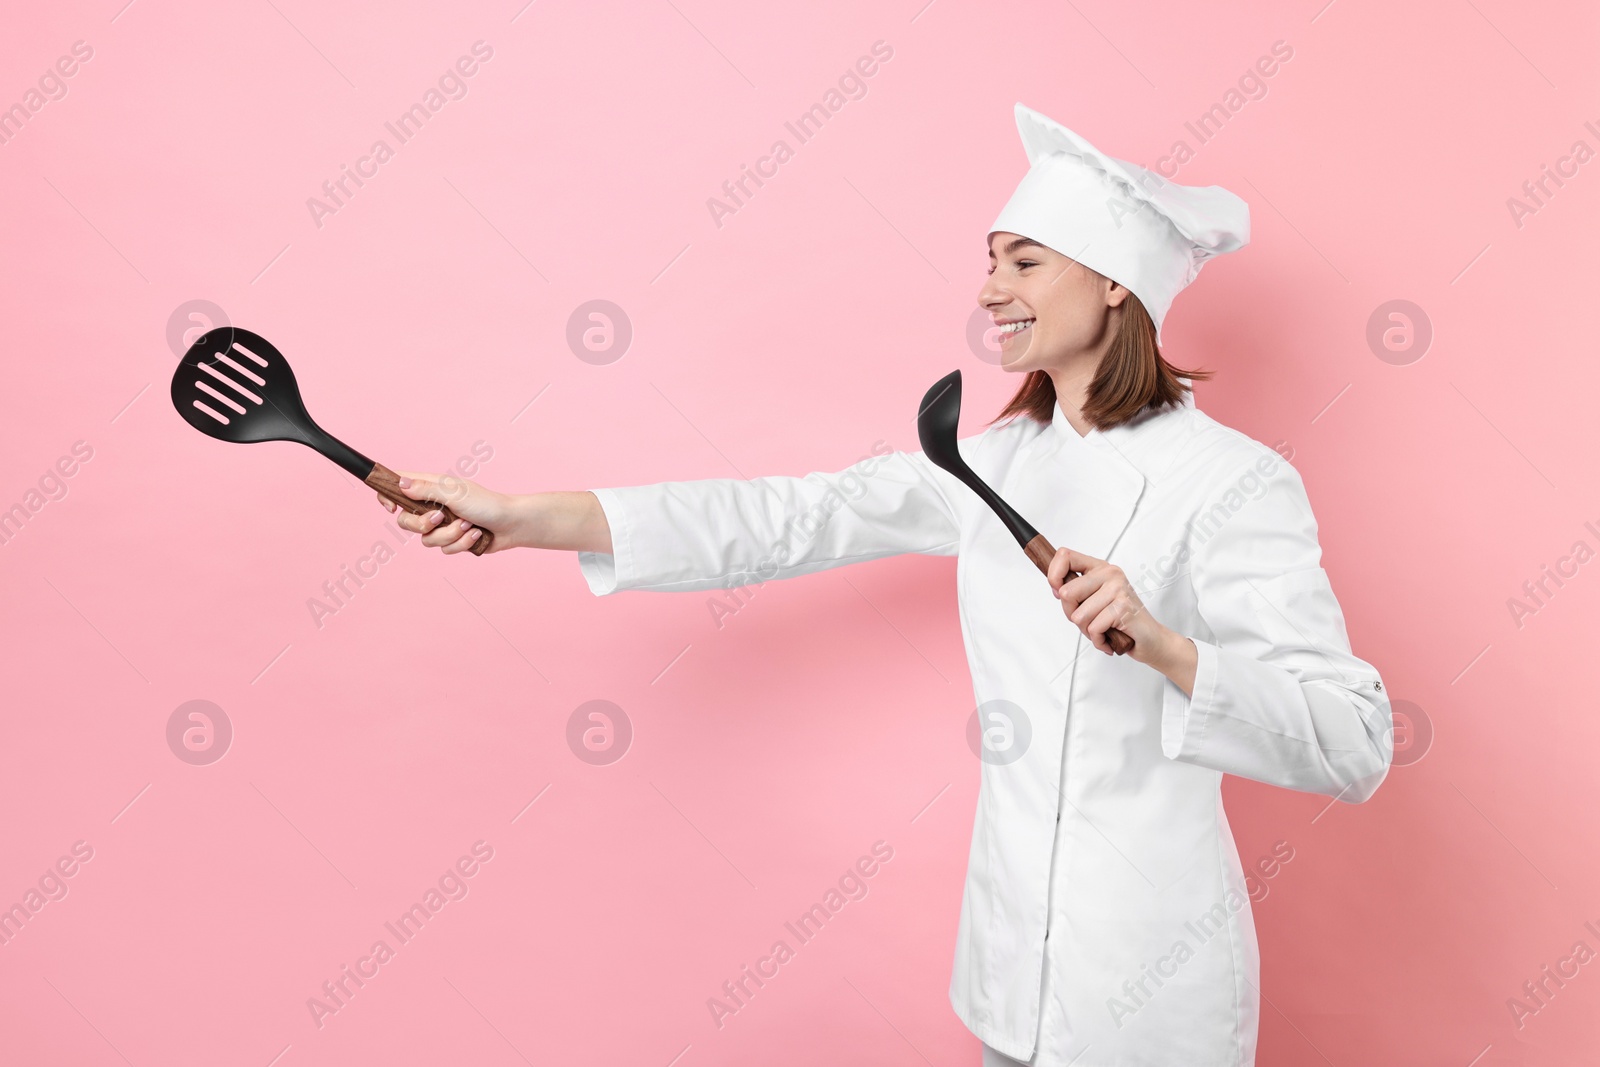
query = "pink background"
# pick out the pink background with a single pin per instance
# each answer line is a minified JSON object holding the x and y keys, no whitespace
{"x":829,"y":713}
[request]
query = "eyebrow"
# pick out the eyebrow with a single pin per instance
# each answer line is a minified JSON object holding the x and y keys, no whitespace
{"x":1020,"y":242}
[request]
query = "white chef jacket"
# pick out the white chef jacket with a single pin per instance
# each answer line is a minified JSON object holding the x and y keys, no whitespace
{"x":1105,"y":918}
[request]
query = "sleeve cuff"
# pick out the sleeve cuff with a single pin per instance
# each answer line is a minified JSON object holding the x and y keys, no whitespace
{"x":1184,"y":718}
{"x":604,"y":571}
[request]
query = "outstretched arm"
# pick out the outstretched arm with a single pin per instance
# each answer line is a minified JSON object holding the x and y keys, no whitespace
{"x":711,"y":533}
{"x":723,"y":533}
{"x":561,"y":520}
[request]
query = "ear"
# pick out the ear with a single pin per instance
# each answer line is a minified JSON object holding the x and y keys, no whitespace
{"x":1115,"y":293}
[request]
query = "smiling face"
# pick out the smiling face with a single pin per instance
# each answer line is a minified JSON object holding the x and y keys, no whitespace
{"x":1053,"y":313}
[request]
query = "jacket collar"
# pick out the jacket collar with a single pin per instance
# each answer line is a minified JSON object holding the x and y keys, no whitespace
{"x":1143,"y":446}
{"x":1105,"y":472}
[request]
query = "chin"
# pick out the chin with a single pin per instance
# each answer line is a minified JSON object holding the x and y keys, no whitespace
{"x":1022,"y":363}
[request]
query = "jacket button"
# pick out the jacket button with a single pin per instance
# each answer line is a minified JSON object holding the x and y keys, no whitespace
{"x":1378,"y":686}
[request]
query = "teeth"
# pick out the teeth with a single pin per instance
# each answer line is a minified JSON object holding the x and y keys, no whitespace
{"x":1015,"y":327}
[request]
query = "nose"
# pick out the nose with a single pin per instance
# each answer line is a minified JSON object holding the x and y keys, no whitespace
{"x":993,"y":295}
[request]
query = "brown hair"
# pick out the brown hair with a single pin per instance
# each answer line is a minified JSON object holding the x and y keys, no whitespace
{"x":1132,"y":376}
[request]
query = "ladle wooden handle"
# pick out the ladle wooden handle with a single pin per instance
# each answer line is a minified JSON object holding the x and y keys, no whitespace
{"x":387,"y":483}
{"x":1040,"y":551}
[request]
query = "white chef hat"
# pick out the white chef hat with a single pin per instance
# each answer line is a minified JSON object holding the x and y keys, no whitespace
{"x":1148,"y":234}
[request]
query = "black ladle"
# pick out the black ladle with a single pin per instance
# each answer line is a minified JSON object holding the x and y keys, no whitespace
{"x":936,"y":427}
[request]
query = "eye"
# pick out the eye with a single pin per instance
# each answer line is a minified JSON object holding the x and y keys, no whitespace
{"x":1024,"y":264}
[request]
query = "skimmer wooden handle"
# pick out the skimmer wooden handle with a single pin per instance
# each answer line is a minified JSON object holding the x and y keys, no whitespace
{"x":1041,"y":553}
{"x":387,"y":483}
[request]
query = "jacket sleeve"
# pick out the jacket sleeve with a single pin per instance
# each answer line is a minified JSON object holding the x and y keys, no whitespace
{"x":1278,"y":697}
{"x":724,"y":533}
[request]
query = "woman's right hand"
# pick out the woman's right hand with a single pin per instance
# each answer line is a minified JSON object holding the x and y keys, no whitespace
{"x":477,"y":509}
{"x":566,"y":521}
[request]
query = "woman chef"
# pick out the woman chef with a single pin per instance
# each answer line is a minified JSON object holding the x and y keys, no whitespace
{"x":1105,"y":918}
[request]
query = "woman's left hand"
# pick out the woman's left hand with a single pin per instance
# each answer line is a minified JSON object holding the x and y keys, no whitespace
{"x":1101,"y":598}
